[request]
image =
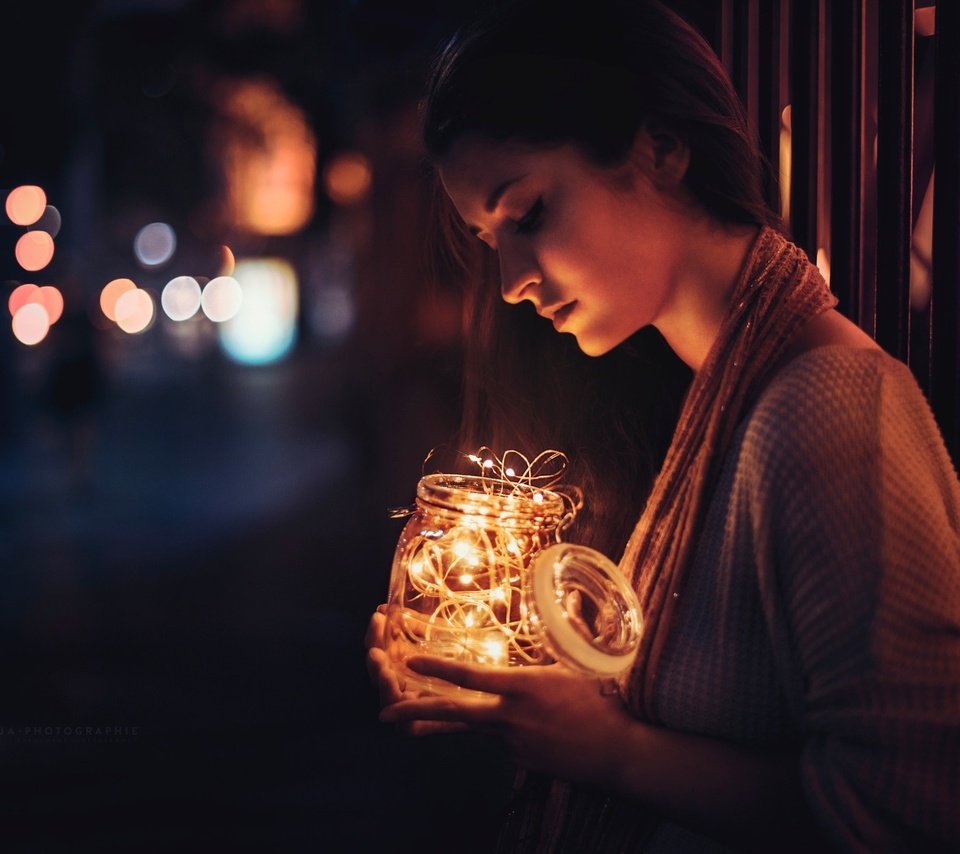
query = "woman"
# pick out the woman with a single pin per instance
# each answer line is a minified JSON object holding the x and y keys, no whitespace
{"x":798,"y":556}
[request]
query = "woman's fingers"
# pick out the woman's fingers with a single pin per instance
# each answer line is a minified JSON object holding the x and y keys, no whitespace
{"x":384,"y":676}
{"x":375,"y":629}
{"x":435,"y":727}
{"x":491,"y":680}
{"x":472,"y":712}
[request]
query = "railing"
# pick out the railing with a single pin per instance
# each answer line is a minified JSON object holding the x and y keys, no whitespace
{"x":855,"y":103}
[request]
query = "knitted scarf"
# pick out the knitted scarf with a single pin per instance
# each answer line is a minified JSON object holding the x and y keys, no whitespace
{"x":777,"y":292}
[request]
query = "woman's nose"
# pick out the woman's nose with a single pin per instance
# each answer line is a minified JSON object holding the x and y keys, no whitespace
{"x":518,"y":273}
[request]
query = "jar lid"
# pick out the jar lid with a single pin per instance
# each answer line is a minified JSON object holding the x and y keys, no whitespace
{"x":586,"y":612}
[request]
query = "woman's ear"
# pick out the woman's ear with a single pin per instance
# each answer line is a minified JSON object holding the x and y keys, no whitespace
{"x":663,"y":153}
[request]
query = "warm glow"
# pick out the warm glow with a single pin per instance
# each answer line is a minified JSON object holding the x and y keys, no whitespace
{"x":111,"y":292}
{"x":34,"y":250}
{"x":155,"y":244}
{"x":823,"y":264}
{"x":466,"y":578}
{"x":786,"y":152}
{"x":227,"y":261}
{"x":221,"y":298}
{"x":271,"y":162}
{"x":925,"y":20}
{"x":31,"y":324}
{"x":21,"y":296}
{"x":134,"y":311}
{"x":495,"y":649}
{"x":25,"y":204}
{"x":347,"y":178}
{"x":181,"y":298}
{"x":52,"y":300}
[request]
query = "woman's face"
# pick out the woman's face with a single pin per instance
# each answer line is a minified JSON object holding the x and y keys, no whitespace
{"x":597,"y":253}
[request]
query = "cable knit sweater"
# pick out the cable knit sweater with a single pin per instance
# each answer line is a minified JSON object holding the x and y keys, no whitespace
{"x":822,"y":610}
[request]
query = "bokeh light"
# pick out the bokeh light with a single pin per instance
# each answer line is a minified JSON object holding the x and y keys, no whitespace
{"x":347,"y":178}
{"x":52,"y":300}
{"x":50,"y":222}
{"x":221,"y":298}
{"x":31,"y":324}
{"x":111,"y":292}
{"x":134,"y":311}
{"x":181,"y":298}
{"x":155,"y":244}
{"x":34,"y":250}
{"x":269,"y":156}
{"x":25,"y":204}
{"x":21,"y":296}
{"x":227,"y":261}
{"x":264,"y":330}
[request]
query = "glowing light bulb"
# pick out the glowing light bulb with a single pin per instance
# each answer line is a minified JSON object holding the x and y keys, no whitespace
{"x":52,"y":300}
{"x":155,"y":244}
{"x":34,"y":250}
{"x":466,"y":578}
{"x":221,"y":298}
{"x":348,"y":177}
{"x":488,"y":464}
{"x":181,"y":298}
{"x":461,"y":549}
{"x":31,"y":324}
{"x":25,"y":205}
{"x":510,"y":473}
{"x":134,"y":311}
{"x":112,"y":292}
{"x":21,"y":296}
{"x":538,"y":497}
{"x":495,"y":649}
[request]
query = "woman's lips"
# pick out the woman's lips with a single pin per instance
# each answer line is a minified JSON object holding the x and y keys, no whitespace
{"x":561,"y":315}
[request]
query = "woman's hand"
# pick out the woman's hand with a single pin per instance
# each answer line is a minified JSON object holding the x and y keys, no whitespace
{"x":552,"y":719}
{"x":389,"y":681}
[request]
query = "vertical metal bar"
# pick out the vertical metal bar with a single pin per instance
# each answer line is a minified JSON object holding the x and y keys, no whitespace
{"x":868,"y":167}
{"x":727,"y":38}
{"x":845,"y":146}
{"x":768,"y":95}
{"x":946,"y":227}
{"x":894,"y":175}
{"x":804,"y":114}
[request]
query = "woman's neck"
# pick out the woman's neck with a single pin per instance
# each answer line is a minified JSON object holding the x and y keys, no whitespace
{"x":690,"y":322}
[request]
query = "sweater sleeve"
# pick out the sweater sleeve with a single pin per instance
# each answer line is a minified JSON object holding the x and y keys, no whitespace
{"x":856,"y":511}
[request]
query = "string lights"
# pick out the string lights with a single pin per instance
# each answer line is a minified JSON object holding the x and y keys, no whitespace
{"x":461,"y":563}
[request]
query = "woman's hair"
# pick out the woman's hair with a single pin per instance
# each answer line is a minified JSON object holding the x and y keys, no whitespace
{"x":591,"y":75}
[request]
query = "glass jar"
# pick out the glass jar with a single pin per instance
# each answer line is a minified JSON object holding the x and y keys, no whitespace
{"x":479,"y":576}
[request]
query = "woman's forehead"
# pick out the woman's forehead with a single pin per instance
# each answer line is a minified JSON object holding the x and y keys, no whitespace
{"x":476,"y":168}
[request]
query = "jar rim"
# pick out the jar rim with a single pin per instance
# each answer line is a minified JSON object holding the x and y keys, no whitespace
{"x":489,"y":496}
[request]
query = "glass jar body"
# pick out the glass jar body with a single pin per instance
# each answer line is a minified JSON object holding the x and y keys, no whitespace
{"x":459,"y":577}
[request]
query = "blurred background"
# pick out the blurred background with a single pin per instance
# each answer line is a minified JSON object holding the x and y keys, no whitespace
{"x":221,"y":366}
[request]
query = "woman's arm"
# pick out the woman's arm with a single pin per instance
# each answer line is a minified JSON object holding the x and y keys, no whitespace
{"x":558,"y":722}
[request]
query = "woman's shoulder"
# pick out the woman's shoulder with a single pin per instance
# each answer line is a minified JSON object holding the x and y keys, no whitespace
{"x":838,"y":403}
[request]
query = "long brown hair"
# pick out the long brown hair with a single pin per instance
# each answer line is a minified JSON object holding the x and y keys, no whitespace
{"x":592,"y":75}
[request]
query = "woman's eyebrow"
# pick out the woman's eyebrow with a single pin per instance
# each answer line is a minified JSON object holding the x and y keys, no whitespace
{"x":498,"y":192}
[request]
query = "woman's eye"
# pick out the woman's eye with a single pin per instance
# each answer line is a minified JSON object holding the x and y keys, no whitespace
{"x":531,"y":219}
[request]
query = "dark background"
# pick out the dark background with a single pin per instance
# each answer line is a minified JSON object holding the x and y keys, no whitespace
{"x":189,"y":559}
